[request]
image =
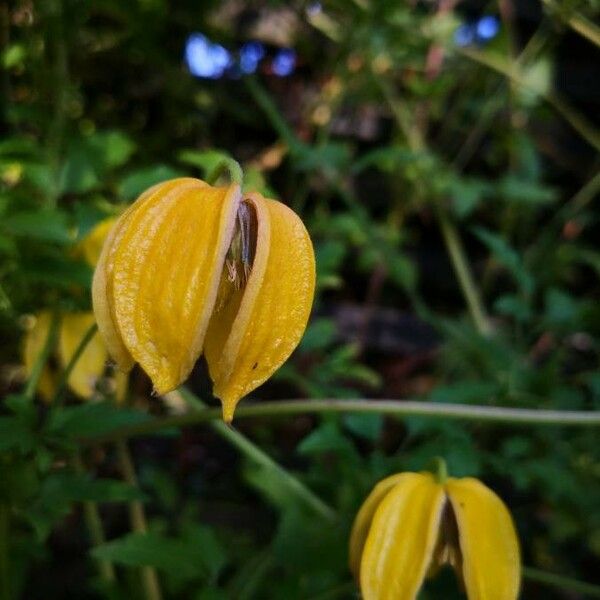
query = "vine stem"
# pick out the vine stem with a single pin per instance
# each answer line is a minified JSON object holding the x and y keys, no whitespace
{"x":463,"y":272}
{"x":93,"y":523}
{"x":137,"y":517}
{"x":38,"y":367}
{"x":466,"y":412}
{"x":257,"y":455}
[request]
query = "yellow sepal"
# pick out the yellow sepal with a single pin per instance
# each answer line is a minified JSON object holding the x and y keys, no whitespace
{"x":90,"y":247}
{"x":402,"y":538}
{"x":259,"y":326}
{"x":154,"y":287}
{"x":488,"y":541}
{"x":364,"y":518}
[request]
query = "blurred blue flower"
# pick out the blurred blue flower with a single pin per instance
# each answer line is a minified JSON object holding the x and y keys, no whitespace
{"x":487,"y":28}
{"x":205,"y":58}
{"x":251,"y":53}
{"x":464,"y":35}
{"x":284,"y":62}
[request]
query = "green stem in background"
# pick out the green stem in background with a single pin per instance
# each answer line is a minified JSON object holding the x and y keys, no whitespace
{"x":93,"y":523}
{"x":463,"y":272}
{"x":42,"y":358}
{"x":585,"y":129}
{"x":566,"y":583}
{"x":449,"y":231}
{"x":577,"y":22}
{"x":137,"y":517}
{"x":5,"y":591}
{"x":258,"y":456}
{"x":64,"y":377}
{"x":281,"y":408}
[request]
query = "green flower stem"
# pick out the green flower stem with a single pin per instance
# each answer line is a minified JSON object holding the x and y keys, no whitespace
{"x":566,"y":583}
{"x":449,"y":231}
{"x":64,"y":377}
{"x":93,"y":523}
{"x":5,"y":591}
{"x":585,"y":129}
{"x":258,"y":456}
{"x":463,"y":271}
{"x":42,"y":358}
{"x":227,"y":167}
{"x":577,"y":22}
{"x":137,"y":517}
{"x":435,"y":410}
{"x":439,"y":469}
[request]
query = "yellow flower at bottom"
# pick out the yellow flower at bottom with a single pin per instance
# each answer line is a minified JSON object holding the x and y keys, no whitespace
{"x":192,"y":268}
{"x":411,"y":524}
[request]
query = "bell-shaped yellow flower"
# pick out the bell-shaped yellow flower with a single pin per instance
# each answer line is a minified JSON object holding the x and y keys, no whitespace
{"x":411,"y":524}
{"x":192,"y":268}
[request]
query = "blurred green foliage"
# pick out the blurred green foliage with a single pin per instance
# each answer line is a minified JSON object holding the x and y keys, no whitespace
{"x":391,"y":140}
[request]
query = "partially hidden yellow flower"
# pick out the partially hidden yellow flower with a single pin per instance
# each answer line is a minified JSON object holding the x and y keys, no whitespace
{"x":411,"y":524}
{"x":191,"y":268}
{"x":90,"y":365}
{"x":73,"y":327}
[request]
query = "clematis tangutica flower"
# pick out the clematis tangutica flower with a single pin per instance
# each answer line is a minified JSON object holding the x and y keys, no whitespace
{"x":412,"y":524}
{"x":192,"y":268}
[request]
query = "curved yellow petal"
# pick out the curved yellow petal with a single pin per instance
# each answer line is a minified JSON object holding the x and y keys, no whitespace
{"x":34,"y":341}
{"x":160,"y":275}
{"x":260,"y":325}
{"x":364,"y":517}
{"x":402,"y":539}
{"x":91,"y":245}
{"x":90,"y":365}
{"x":488,"y":541}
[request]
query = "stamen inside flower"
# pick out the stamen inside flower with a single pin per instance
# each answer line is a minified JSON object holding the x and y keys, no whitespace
{"x":240,"y":256}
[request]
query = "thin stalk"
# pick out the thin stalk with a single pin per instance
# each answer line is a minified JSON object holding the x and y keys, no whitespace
{"x":559,"y":581}
{"x":42,"y":358}
{"x":259,"y":457}
{"x":5,"y":591}
{"x":585,"y":129}
{"x":398,"y":408}
{"x":93,"y":523}
{"x":64,"y":377}
{"x":582,"y":25}
{"x":463,"y":272}
{"x":137,"y":517}
{"x":449,"y":231}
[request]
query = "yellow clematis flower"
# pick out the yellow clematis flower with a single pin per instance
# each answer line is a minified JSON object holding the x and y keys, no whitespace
{"x":411,"y":524}
{"x":192,"y":268}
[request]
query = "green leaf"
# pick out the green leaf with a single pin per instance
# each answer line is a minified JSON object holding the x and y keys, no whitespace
{"x":319,"y":334}
{"x":507,"y":256}
{"x":60,"y":271}
{"x":366,"y":426}
{"x":326,"y":438}
{"x":16,"y":434}
{"x":44,"y":225}
{"x":113,"y":148}
{"x":196,"y":554}
{"x":88,"y":420}
{"x":522,"y":191}
{"x":138,"y":181}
